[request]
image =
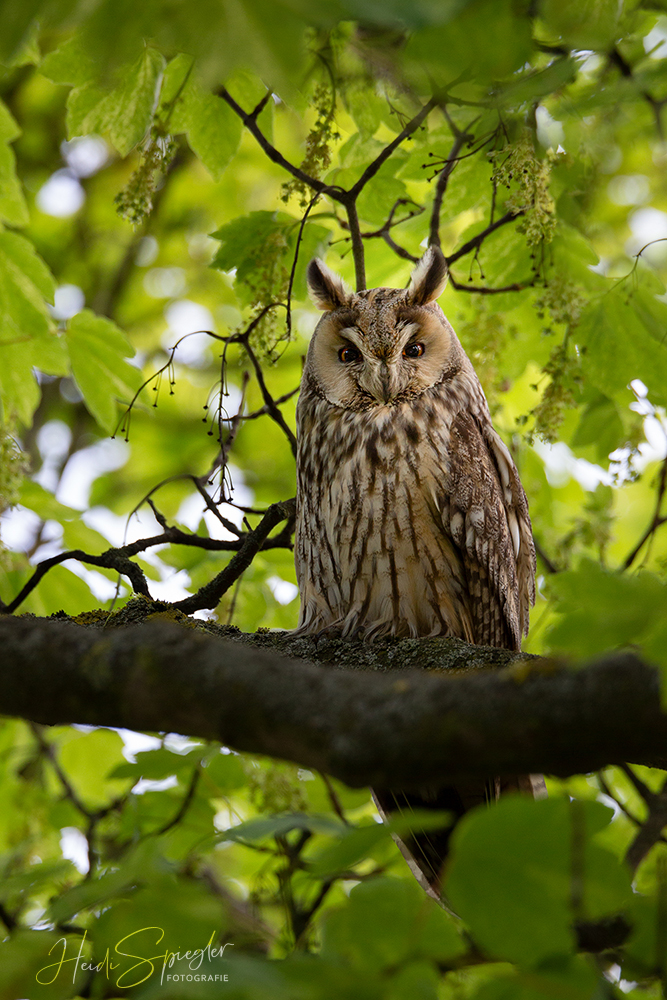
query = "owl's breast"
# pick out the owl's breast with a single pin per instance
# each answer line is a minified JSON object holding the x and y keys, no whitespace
{"x":372,"y":553}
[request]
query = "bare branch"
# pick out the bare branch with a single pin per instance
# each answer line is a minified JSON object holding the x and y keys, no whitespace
{"x":373,"y":167}
{"x":111,"y":559}
{"x":477,"y":241}
{"x":441,"y":187}
{"x":656,"y":521}
{"x":357,"y":245}
{"x":209,"y":595}
{"x":462,"y":286}
{"x":269,"y":402}
{"x":119,"y":560}
{"x":651,"y":829}
{"x":250,"y":122}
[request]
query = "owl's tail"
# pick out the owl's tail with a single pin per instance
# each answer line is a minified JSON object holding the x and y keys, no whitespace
{"x":427,"y":851}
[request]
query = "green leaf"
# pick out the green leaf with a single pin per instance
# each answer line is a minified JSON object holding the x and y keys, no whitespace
{"x":599,"y":610}
{"x":13,"y":208}
{"x":244,"y":240}
{"x":157,"y":764}
{"x":622,"y":337}
{"x":573,"y":979}
{"x":523,"y":859}
{"x":36,"y":498}
{"x":213,"y":130}
{"x":9,"y":127}
{"x":226,"y":772}
{"x":600,"y":424}
{"x":69,"y":63}
{"x":17,"y":22}
{"x":386,"y":921}
{"x":582,"y":24}
{"x":534,"y":85}
{"x":32,"y":953}
{"x":124,"y":114}
{"x":353,"y":846}
{"x":27,"y":340}
{"x":97,"y":348}
{"x":485,"y":40}
{"x":87,"y":759}
{"x":22,"y":255}
{"x":272,"y":826}
{"x":35,"y":877}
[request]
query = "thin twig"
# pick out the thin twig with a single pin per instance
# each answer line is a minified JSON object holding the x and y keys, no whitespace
{"x":544,"y":558}
{"x":651,"y":830}
{"x":118,"y":558}
{"x":644,"y":791}
{"x":656,"y":521}
{"x":184,"y":806}
{"x":288,"y":319}
{"x":270,"y":403}
{"x":441,"y":187}
{"x":333,"y":798}
{"x":250,"y":122}
{"x":462,"y":286}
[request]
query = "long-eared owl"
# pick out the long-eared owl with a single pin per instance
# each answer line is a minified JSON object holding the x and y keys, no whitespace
{"x":411,"y":518}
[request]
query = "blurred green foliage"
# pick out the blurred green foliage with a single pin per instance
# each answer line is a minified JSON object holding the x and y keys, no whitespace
{"x":112,"y":111}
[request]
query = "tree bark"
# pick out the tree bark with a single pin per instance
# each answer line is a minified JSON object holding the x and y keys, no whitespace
{"x":402,"y":713}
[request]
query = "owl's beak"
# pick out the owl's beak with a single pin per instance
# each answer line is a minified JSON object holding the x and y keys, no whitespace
{"x":381,"y":381}
{"x":386,"y":382}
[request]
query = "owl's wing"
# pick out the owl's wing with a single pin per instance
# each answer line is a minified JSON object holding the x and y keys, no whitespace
{"x":488,"y":520}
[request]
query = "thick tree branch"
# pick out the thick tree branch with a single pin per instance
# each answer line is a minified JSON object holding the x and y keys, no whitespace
{"x":376,"y":723}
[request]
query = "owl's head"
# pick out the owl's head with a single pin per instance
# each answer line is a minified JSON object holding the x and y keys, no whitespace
{"x":384,"y":345}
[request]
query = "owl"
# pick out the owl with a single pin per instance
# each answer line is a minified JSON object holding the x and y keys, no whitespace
{"x":411,"y":518}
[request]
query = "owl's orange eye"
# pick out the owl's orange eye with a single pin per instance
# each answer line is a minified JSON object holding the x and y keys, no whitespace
{"x":349,"y":354}
{"x":413,"y":351}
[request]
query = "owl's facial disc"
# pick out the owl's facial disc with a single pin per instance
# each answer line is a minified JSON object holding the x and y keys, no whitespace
{"x":379,"y":354}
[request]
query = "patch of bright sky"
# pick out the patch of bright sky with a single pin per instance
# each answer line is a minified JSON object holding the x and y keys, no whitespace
{"x":283,"y":591}
{"x":74,"y":847}
{"x":561,"y":464}
{"x":591,"y":61}
{"x":146,"y":252}
{"x":87,"y":465}
{"x":61,"y":196}
{"x":68,"y":301}
{"x":134,"y":743}
{"x":648,"y":225}
{"x":655,"y":42}
{"x":550,"y":132}
{"x":189,"y":319}
{"x":629,"y":189}
{"x":164,"y":282}
{"x":85,"y":154}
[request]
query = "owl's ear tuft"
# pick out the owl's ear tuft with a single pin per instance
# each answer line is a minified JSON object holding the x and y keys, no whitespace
{"x":428,"y":278}
{"x":327,"y":290}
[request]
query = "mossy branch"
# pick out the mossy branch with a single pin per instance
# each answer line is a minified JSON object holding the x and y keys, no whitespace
{"x":402,"y":713}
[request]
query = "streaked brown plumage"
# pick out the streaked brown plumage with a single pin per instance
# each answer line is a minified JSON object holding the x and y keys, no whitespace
{"x":411,"y":518}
